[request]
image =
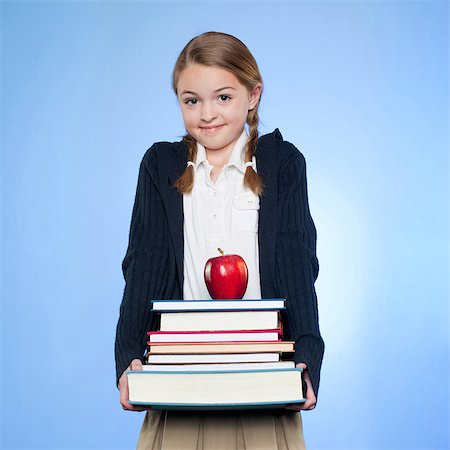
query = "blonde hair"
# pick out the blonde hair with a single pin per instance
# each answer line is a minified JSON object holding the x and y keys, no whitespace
{"x":227,"y":52}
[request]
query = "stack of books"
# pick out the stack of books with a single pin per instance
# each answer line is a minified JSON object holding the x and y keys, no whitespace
{"x":217,"y":354}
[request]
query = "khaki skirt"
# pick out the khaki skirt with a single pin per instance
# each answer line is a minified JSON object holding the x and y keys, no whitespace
{"x":235,"y":430}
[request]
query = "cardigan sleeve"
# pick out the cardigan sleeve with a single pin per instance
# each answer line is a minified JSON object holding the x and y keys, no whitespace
{"x":297,"y":265}
{"x":135,"y":314}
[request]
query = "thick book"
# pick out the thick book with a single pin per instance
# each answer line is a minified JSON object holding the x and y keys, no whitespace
{"x":219,"y":367}
{"x":211,"y":358}
{"x":221,"y":347}
{"x":212,"y":305}
{"x":237,"y":389}
{"x":211,"y":336}
{"x":219,"y":320}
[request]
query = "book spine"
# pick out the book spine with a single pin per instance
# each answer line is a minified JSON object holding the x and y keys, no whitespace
{"x":193,"y":305}
{"x":212,"y":332}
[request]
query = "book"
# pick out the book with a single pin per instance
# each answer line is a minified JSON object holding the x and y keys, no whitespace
{"x":221,"y":347}
{"x":217,"y":354}
{"x":211,"y":358}
{"x":211,"y":336}
{"x":219,"y":320}
{"x":219,"y":367}
{"x":216,"y":389}
{"x":211,"y":305}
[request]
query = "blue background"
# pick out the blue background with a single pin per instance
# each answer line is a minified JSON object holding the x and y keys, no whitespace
{"x":359,"y":87}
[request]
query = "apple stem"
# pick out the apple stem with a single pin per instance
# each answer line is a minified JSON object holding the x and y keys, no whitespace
{"x":221,"y":251}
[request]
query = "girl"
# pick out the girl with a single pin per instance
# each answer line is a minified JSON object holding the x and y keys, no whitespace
{"x":221,"y":187}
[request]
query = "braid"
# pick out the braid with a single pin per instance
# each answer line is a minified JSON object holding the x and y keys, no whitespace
{"x":251,"y":178}
{"x":185,"y":183}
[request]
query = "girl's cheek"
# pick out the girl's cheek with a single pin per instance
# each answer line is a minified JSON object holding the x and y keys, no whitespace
{"x":188,"y":116}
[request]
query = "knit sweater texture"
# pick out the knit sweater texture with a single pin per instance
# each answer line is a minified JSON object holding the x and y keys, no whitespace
{"x":153,"y":263}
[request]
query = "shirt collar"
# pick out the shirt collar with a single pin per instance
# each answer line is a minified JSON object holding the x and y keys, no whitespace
{"x":236,"y":157}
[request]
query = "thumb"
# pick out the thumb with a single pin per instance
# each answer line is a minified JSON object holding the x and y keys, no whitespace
{"x":301,"y":366}
{"x":136,"y":364}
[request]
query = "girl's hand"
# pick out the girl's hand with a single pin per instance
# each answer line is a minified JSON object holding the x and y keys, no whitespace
{"x":310,"y":402}
{"x":136,"y":364}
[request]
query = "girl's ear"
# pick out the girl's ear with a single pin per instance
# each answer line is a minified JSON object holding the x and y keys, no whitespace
{"x":254,"y":96}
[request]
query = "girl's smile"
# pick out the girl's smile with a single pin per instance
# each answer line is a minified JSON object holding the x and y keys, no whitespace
{"x":212,"y":129}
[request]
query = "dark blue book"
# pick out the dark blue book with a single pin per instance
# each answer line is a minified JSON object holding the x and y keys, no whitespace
{"x":218,"y":305}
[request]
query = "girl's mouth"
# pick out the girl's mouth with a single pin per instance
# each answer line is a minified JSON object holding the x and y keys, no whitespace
{"x":212,"y":129}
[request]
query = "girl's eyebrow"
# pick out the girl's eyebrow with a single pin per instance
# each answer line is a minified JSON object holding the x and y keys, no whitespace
{"x":217,"y":90}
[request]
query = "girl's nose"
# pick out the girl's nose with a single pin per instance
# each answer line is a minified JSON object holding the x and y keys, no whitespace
{"x":208,"y":112}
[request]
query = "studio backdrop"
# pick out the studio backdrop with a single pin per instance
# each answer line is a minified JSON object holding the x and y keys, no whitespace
{"x":360,"y":87}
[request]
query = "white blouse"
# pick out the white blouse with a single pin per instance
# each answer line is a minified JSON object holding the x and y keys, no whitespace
{"x":222,"y":214}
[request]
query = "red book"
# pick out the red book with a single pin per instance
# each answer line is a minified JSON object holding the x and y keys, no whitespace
{"x":219,"y":320}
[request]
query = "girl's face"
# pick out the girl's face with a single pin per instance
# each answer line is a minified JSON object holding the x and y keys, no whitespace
{"x":214,"y":105}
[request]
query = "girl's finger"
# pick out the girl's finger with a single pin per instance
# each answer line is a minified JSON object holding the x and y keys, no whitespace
{"x":294,"y":407}
{"x":309,"y":404}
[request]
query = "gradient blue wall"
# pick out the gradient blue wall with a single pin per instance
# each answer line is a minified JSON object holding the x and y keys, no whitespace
{"x":360,"y":87}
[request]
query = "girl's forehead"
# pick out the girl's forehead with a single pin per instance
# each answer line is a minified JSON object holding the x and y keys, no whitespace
{"x":206,"y":78}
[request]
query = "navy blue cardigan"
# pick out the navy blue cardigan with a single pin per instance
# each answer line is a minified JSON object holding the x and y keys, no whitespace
{"x":153,"y":263}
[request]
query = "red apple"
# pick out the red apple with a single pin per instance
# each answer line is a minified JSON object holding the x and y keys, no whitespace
{"x":226,"y":276}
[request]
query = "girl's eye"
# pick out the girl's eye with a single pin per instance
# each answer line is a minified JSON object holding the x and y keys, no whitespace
{"x":194,"y":101}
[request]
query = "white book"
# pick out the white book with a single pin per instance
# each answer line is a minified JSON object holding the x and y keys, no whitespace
{"x":221,"y":347}
{"x":218,"y":367}
{"x":219,"y":321}
{"x":211,"y":358}
{"x":227,"y":389}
